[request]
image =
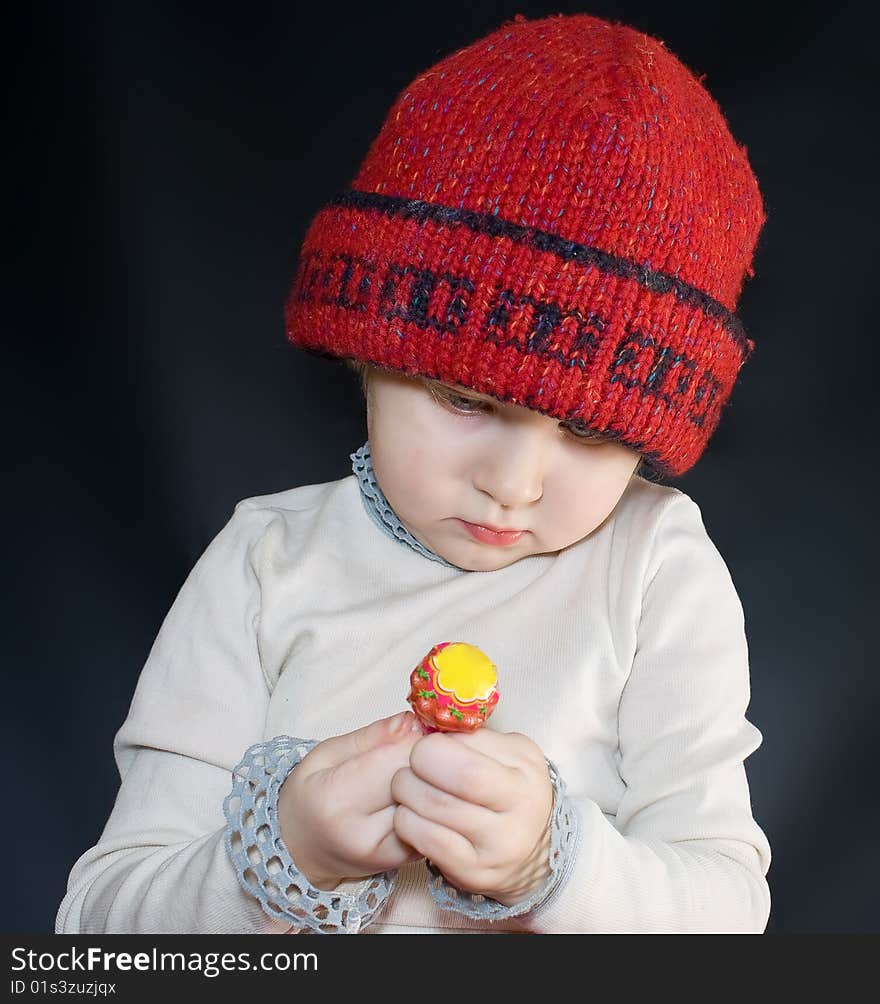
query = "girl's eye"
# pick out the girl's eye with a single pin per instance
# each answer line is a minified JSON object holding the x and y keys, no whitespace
{"x":470,"y":406}
{"x":585,"y":435}
{"x":461,"y":403}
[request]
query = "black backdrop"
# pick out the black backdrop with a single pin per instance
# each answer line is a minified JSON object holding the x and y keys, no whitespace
{"x":166,"y":159}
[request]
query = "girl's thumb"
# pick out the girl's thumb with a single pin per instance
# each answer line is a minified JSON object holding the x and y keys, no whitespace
{"x":338,"y":749}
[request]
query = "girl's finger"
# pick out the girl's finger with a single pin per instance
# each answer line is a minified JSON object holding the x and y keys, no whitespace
{"x":475,"y":822}
{"x":338,"y":750}
{"x":391,"y":851}
{"x":459,"y":769}
{"x":364,"y":781}
{"x":448,"y":849}
{"x":511,"y":748}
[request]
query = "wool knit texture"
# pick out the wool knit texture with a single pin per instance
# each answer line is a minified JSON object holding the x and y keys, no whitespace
{"x":558,"y":216}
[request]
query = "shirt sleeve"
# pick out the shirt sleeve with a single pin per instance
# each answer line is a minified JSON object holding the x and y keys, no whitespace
{"x":683,"y":853}
{"x":160,"y":864}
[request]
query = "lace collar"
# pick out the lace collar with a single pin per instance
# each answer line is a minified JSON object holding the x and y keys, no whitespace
{"x":379,"y":508}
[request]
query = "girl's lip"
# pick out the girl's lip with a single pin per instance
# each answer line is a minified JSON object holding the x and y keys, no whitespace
{"x":488,"y":536}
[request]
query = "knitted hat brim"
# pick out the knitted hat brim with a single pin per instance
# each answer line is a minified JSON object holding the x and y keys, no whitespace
{"x":424,"y":289}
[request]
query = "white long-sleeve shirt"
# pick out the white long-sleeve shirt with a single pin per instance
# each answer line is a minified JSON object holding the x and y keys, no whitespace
{"x":623,"y":656}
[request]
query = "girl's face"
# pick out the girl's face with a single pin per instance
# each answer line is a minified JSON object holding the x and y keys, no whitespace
{"x":443,"y":454}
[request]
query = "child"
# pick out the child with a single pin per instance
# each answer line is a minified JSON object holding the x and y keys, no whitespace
{"x":535,"y":271}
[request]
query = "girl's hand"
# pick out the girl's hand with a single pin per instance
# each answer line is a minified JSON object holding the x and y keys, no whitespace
{"x":335,"y":808}
{"x":479,"y":806}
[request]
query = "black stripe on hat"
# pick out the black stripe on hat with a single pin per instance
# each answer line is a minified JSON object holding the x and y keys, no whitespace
{"x":542,"y":240}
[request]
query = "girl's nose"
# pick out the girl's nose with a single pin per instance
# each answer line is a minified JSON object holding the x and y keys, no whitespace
{"x":511,"y":494}
{"x":513,"y":478}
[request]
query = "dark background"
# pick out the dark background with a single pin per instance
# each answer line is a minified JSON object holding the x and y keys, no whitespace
{"x":166,"y":159}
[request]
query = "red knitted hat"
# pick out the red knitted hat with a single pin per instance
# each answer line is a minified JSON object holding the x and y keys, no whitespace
{"x":556,"y":216}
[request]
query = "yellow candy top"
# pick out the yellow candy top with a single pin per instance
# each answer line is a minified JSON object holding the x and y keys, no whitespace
{"x":466,"y":672}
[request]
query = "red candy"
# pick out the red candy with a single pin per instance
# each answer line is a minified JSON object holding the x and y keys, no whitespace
{"x":454,"y":688}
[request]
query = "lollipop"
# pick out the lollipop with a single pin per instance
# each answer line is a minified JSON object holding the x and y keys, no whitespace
{"x":453,"y":689}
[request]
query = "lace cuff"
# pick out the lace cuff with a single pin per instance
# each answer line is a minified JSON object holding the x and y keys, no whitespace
{"x":263,"y":863}
{"x":563,"y":834}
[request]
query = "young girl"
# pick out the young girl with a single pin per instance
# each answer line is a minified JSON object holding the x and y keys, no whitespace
{"x":535,"y":271}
